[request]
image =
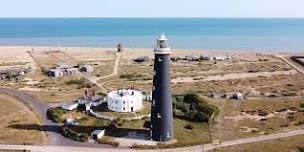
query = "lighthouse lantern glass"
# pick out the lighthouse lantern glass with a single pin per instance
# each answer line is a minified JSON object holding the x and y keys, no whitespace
{"x":162,"y":44}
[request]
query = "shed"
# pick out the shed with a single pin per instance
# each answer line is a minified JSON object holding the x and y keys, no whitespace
{"x":97,"y":134}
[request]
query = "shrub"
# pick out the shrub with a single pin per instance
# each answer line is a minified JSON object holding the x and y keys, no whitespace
{"x":80,"y":82}
{"x":192,"y":98}
{"x":55,"y":114}
{"x":190,"y":127}
{"x":301,"y":149}
{"x":262,"y":112}
{"x":69,"y":133}
{"x":193,"y":108}
{"x":302,"y":105}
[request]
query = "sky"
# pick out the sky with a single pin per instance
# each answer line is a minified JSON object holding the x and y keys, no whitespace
{"x":152,"y":8}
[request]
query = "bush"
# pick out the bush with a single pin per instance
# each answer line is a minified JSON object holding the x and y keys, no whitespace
{"x":263,"y":113}
{"x":190,"y":127}
{"x":71,"y":134}
{"x":302,"y":105}
{"x":193,"y":108}
{"x":55,"y":114}
{"x":80,"y":82}
{"x":192,"y":98}
{"x":301,"y":149}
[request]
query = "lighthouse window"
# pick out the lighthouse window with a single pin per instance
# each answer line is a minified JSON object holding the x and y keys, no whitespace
{"x":158,"y":115}
{"x":160,"y":59}
{"x":168,"y":135}
{"x":162,"y":44}
{"x":124,"y":102}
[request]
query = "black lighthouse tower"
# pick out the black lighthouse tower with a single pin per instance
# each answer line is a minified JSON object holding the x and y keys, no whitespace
{"x":161,"y":108}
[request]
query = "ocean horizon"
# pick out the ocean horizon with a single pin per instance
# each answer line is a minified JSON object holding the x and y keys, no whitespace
{"x":258,"y":34}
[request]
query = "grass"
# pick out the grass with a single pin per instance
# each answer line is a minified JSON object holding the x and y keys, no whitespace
{"x":227,"y":129}
{"x":18,"y":114}
{"x":295,"y":144}
{"x":199,"y":134}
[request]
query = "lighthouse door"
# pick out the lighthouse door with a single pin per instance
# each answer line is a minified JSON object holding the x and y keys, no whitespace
{"x":131,"y":109}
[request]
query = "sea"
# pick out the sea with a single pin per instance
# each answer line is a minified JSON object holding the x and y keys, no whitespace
{"x":247,"y":34}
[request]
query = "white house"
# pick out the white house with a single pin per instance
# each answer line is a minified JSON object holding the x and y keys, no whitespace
{"x":127,"y":100}
{"x":97,"y":134}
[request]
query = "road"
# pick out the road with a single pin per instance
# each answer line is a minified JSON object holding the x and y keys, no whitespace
{"x":293,"y":65}
{"x":199,"y":148}
{"x":53,"y":129}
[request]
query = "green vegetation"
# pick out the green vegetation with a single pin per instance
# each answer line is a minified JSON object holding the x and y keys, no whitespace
{"x":80,"y":82}
{"x":69,"y":133}
{"x":55,"y":114}
{"x":109,"y":141}
{"x":302,"y":105}
{"x":301,"y":149}
{"x":134,"y":77}
{"x":193,"y":108}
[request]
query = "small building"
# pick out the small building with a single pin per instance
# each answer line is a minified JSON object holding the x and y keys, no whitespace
{"x":206,"y":58}
{"x":97,"y":134}
{"x":56,"y":72}
{"x":86,"y":68}
{"x":221,"y":58}
{"x":238,"y":96}
{"x":72,"y":71}
{"x":127,"y":100}
{"x":70,"y":106}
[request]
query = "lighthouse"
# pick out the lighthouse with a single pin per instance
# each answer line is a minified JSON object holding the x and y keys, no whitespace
{"x":161,"y":108}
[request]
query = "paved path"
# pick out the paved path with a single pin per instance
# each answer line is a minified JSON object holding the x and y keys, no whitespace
{"x":53,"y":129}
{"x":199,"y":148}
{"x":293,"y":65}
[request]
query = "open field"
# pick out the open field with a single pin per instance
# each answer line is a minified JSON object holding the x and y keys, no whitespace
{"x":258,"y":117}
{"x":14,"y":112}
